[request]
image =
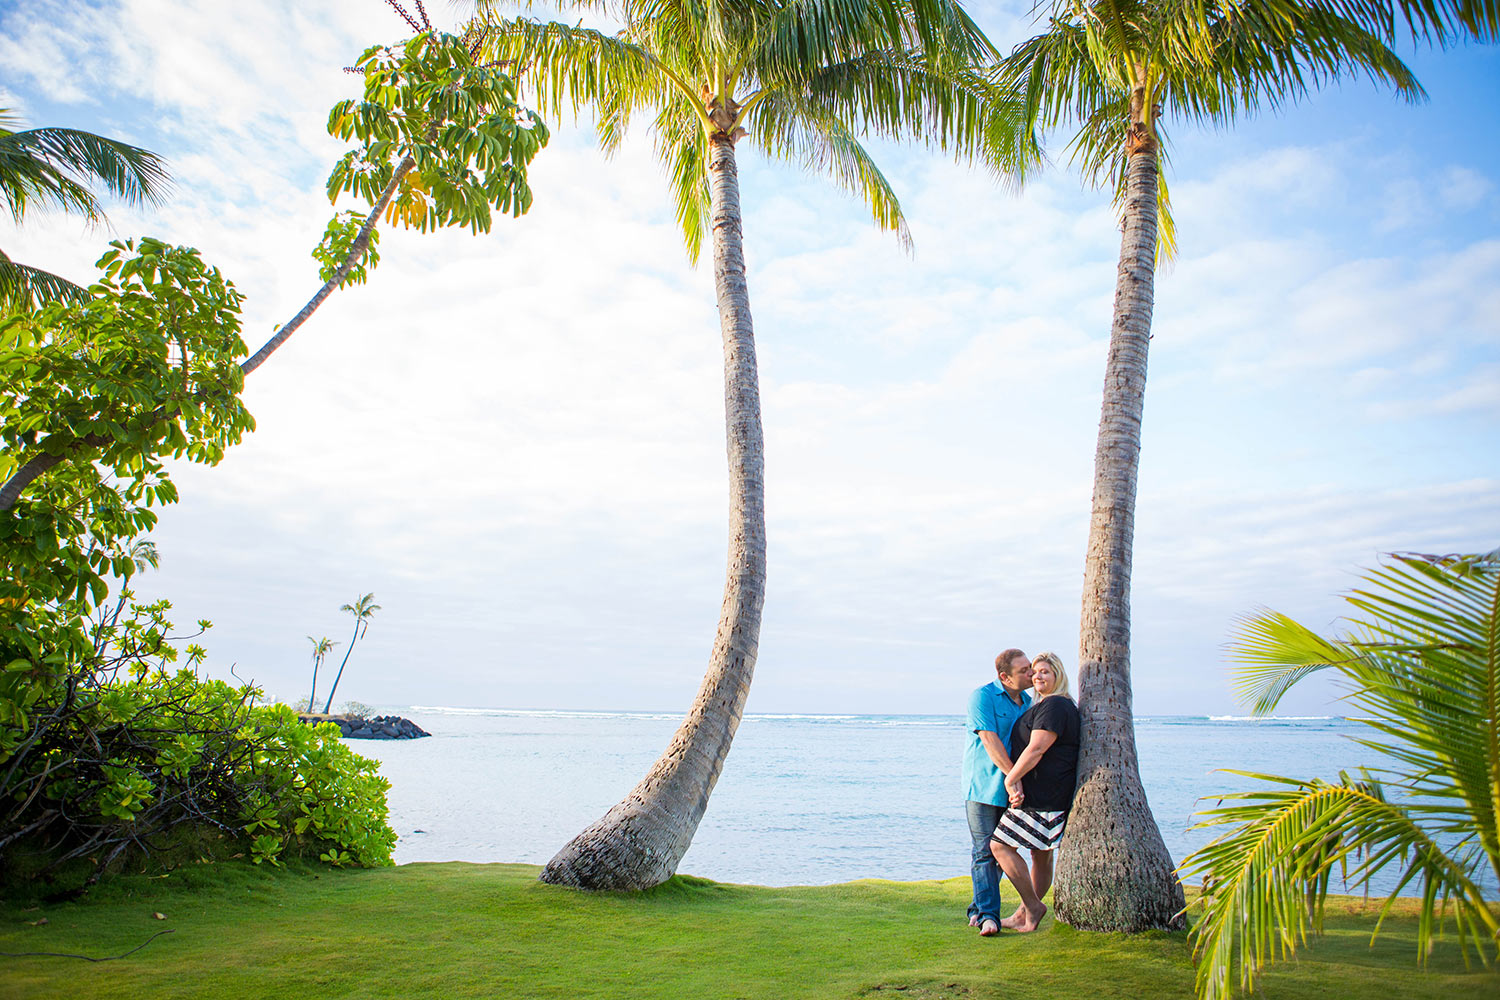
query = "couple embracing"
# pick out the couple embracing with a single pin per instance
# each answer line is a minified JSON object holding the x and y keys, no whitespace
{"x":1020,"y":770}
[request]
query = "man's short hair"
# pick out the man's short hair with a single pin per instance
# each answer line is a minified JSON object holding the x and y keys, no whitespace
{"x":1006,"y":661}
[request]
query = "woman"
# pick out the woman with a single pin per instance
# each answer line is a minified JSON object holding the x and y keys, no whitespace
{"x":1040,"y":785}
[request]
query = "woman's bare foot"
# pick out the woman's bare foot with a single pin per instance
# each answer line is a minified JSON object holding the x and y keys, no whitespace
{"x":973,"y":920}
{"x":1015,"y":918}
{"x":1031,"y":919}
{"x":988,"y":928}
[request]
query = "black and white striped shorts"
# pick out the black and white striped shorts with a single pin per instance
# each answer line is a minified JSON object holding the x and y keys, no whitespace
{"x":1037,"y":829}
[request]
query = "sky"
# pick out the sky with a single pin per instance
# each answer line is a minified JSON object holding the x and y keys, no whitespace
{"x":515,"y":440}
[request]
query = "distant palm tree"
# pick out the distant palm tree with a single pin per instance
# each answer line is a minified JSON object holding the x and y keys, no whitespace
{"x":1112,"y":70}
{"x":53,"y":168}
{"x":321,"y":648}
{"x":800,"y":79}
{"x":362,"y":610}
{"x":1421,"y":663}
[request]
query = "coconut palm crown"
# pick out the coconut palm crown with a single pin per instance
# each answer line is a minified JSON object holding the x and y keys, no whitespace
{"x":801,"y":80}
{"x":1110,"y":72}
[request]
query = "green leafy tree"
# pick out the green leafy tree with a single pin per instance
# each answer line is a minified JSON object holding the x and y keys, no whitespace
{"x":320,"y":649}
{"x":363,"y":610}
{"x":1112,"y":72}
{"x":1420,"y":662}
{"x":144,"y":370}
{"x":800,"y":81}
{"x":104,"y":746}
{"x":42,"y":168}
{"x":440,"y":141}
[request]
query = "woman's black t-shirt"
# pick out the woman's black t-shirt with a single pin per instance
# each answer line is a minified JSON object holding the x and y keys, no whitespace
{"x":1050,"y":784}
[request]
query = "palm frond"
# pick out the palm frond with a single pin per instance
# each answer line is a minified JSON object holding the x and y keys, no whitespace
{"x":682,"y":146}
{"x":23,"y":288}
{"x":569,"y":68}
{"x":53,"y":168}
{"x":1421,"y":662}
{"x":1446,"y":22}
{"x":1265,"y":882}
{"x":791,"y":129}
{"x":900,"y":95}
{"x":1278,"y":652}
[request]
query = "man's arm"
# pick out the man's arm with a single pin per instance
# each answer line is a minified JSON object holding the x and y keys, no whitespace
{"x":996,"y":749}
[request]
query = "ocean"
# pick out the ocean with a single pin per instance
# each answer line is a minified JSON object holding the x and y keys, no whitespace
{"x":803,"y":799}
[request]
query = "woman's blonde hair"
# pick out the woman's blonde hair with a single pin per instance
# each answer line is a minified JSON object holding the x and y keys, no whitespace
{"x":1055,"y":662}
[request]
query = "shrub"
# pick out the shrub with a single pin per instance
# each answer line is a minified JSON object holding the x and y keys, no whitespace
{"x":119,"y":755}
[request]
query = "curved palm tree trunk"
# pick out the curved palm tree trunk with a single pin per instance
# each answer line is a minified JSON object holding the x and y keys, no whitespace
{"x":312,"y":697}
{"x":328,"y":706}
{"x":39,"y":464}
{"x":1113,"y":871}
{"x":639,"y":842}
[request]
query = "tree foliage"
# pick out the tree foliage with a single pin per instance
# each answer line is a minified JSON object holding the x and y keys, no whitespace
{"x":1421,"y":663}
{"x":144,"y":370}
{"x":458,"y":123}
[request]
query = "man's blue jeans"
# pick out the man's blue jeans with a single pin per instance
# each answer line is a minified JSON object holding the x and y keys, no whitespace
{"x":983,"y":818}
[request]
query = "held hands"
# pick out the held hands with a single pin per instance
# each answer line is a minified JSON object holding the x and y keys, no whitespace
{"x":1013,"y":788}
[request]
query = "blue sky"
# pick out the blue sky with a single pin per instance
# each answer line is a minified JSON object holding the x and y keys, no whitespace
{"x":515,"y":441}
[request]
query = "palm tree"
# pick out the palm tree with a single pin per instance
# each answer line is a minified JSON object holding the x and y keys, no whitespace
{"x":798,"y":78}
{"x":53,"y":168}
{"x":1112,"y":69}
{"x":363,"y":610}
{"x":321,"y":648}
{"x":1422,"y":663}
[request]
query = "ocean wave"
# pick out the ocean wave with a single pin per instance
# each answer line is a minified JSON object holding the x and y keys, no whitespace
{"x":567,"y":713}
{"x":778,"y":717}
{"x":542,"y":713}
{"x":1275,"y":718}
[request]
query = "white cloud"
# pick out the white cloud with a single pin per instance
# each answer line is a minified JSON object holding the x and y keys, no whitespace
{"x":516,"y":440}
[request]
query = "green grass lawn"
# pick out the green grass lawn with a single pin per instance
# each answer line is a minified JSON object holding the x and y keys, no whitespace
{"x":464,"y":930}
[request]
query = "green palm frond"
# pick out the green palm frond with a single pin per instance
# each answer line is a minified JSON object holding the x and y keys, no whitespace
{"x":791,"y":129}
{"x":1421,"y":664}
{"x":683,"y":147}
{"x":1446,"y":22}
{"x":900,"y":95}
{"x":1277,"y":653}
{"x":23,"y":288}
{"x":570,"y":68}
{"x":53,"y":168}
{"x":799,"y":37}
{"x":1265,"y":881}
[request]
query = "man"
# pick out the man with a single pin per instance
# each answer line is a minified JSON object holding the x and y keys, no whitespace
{"x":993,"y":710}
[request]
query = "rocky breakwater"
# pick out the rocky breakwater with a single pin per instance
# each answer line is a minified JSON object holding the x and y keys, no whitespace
{"x":381,"y":727}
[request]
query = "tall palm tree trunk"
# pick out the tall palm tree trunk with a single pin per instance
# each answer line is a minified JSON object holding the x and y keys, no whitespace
{"x":1113,"y":871}
{"x":639,"y":842}
{"x":328,"y":706}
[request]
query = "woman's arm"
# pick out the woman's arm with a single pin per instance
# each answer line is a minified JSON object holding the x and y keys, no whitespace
{"x":1041,"y":740}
